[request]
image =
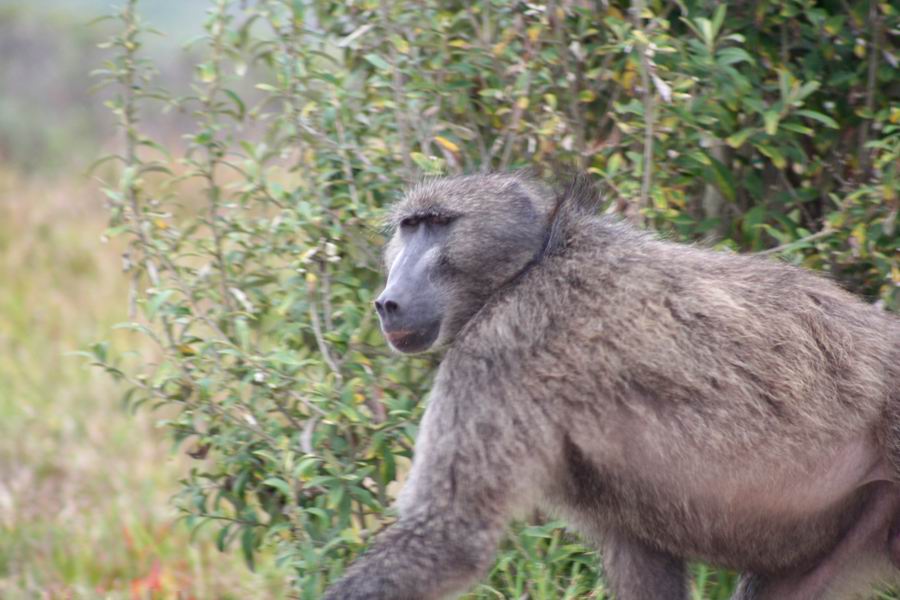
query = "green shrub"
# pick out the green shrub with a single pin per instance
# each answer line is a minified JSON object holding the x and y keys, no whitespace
{"x":253,"y":250}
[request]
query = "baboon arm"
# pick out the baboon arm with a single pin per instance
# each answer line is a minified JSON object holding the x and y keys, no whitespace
{"x":468,"y":479}
{"x":638,"y":572}
{"x":426,"y":557}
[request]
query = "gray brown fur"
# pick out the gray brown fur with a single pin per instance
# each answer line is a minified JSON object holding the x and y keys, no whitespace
{"x":670,"y":402}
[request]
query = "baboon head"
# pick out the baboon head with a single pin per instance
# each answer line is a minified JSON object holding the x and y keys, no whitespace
{"x":456,"y":241}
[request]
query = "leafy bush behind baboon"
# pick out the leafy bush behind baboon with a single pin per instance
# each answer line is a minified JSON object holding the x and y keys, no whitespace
{"x":253,"y":249}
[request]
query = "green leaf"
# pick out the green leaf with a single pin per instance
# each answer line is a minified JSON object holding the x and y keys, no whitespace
{"x":719,"y":18}
{"x":132,"y":326}
{"x":100,"y":351}
{"x":817,"y":116}
{"x":774,"y":154}
{"x":732,"y":55}
{"x":207,"y":72}
{"x":706,"y":31}
{"x":806,"y":89}
{"x":222,"y":538}
{"x":797,"y":128}
{"x":279,"y":484}
{"x":377,"y":62}
{"x":719,"y":175}
{"x":156,"y":146}
{"x":614,"y":164}
{"x":103,"y":159}
{"x":737,"y":140}
{"x":248,"y":546}
{"x":771,"y":118}
{"x":243,"y":333}
{"x":238,"y":103}
{"x":157,"y":299}
{"x":784,"y":83}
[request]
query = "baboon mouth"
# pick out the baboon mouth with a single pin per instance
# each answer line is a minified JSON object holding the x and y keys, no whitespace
{"x":410,"y":341}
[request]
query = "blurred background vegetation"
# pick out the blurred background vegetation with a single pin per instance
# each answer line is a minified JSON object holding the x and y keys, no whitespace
{"x":245,"y":187}
{"x":85,"y":486}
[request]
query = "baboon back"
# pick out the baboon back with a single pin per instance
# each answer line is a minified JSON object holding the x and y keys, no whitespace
{"x":717,"y":341}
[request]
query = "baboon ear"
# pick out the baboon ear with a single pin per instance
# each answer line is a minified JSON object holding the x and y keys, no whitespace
{"x":580,"y":195}
{"x":576,"y":197}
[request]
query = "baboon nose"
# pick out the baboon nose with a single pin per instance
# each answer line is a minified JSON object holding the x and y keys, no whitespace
{"x":386,"y":307}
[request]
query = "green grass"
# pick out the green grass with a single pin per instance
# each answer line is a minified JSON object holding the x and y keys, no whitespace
{"x":84,"y":485}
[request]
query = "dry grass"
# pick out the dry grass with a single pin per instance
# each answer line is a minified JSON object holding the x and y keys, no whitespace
{"x":84,"y":486}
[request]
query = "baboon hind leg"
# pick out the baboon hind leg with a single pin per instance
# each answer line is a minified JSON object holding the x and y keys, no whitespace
{"x":866,"y":556}
{"x":749,"y":587}
{"x":637,"y":571}
{"x":891,"y":434}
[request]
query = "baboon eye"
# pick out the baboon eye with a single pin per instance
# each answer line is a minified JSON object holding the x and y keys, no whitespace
{"x":410,"y":222}
{"x":439,"y":220}
{"x":416,"y":220}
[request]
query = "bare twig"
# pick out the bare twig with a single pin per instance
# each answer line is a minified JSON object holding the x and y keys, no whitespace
{"x":398,"y":90}
{"x":613,"y":97}
{"x":306,"y":437}
{"x":320,"y":339}
{"x":649,"y":109}
{"x":713,"y":201}
{"x":574,"y":74}
{"x":213,"y":155}
{"x":875,"y":23}
{"x":132,"y":139}
{"x":513,"y":126}
{"x":507,"y":139}
{"x":787,"y":246}
{"x":346,"y":164}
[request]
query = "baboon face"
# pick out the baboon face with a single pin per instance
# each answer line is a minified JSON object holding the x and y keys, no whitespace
{"x":456,"y":242}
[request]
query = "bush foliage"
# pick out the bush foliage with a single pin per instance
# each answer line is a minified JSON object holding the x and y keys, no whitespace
{"x":253,"y":246}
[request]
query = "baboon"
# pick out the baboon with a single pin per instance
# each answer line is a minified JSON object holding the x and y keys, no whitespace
{"x":670,"y":402}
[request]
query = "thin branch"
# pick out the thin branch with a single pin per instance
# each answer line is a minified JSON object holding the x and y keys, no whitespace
{"x":575,"y":73}
{"x":508,"y":140}
{"x":346,"y":164}
{"x":649,"y":110}
{"x":129,"y":123}
{"x":398,"y":90}
{"x":320,"y":339}
{"x":212,"y":152}
{"x":613,"y":97}
{"x":306,"y":437}
{"x":875,"y":23}
{"x":789,"y":245}
{"x":531,"y":48}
